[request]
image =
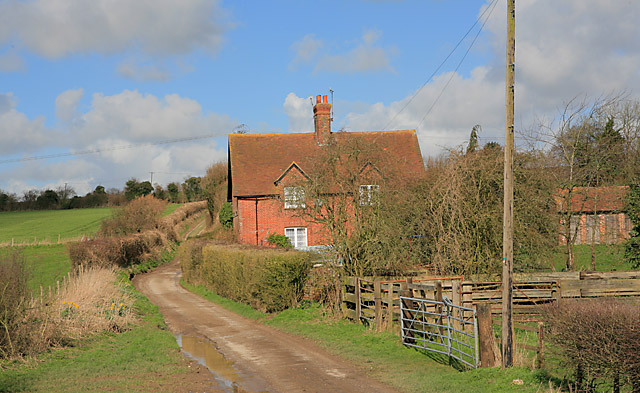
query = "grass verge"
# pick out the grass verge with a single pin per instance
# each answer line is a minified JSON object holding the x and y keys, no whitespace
{"x":144,"y":359}
{"x":382,"y":355}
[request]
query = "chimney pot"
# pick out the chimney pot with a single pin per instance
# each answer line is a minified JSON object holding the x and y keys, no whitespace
{"x":324,"y":99}
{"x":318,"y":99}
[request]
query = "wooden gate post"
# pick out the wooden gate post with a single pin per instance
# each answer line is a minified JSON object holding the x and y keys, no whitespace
{"x":467,"y":297}
{"x":389,"y":317}
{"x":358,"y":306}
{"x":540,"y":349}
{"x":377,"y":297}
{"x":486,"y":339}
{"x":438,"y":298}
{"x":407,"y":305}
{"x":455,"y":289}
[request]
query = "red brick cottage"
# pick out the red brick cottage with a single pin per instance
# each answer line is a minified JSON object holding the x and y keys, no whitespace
{"x":263,"y":170}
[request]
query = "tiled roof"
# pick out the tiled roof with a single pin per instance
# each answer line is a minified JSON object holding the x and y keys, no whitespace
{"x":590,"y":199}
{"x":257,"y":161}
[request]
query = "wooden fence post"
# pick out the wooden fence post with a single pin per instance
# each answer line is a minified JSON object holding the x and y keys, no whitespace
{"x":358,"y":306}
{"x":558,"y":294}
{"x":389,"y":318}
{"x":485,"y":335}
{"x":455,"y":289}
{"x":377,"y":297}
{"x":408,"y":305}
{"x":467,"y":297}
{"x":540,"y":350}
{"x":438,"y":298}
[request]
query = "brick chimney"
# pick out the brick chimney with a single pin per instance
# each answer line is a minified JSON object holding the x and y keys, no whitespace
{"x":322,"y":120}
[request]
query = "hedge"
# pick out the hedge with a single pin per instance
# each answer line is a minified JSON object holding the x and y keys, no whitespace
{"x":268,"y":280}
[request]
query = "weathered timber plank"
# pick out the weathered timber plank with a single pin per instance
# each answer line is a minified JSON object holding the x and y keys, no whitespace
{"x":603,"y":285}
{"x":350,"y":280}
{"x":609,"y":275}
{"x":349,"y":297}
{"x":350,"y":313}
{"x":422,"y":287}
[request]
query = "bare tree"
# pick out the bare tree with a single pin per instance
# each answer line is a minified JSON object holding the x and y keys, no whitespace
{"x":569,"y":157}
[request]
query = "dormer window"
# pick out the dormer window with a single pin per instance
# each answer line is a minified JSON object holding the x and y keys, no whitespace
{"x":369,"y":194}
{"x":293,"y":198}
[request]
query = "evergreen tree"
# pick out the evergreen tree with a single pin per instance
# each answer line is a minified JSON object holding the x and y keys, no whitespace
{"x":632,"y":246}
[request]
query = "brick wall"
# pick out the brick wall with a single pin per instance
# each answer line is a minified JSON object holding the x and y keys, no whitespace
{"x":609,"y":228}
{"x":272,"y":218}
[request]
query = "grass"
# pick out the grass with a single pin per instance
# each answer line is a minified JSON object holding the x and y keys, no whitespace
{"x":171,"y":208}
{"x":608,"y":257}
{"x":382,"y":355}
{"x":46,"y":264}
{"x":145,"y":358}
{"x":46,"y":225}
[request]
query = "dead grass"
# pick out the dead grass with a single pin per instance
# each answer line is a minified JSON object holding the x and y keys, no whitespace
{"x":85,"y":303}
{"x":92,"y":301}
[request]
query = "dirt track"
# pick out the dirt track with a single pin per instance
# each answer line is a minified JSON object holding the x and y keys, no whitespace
{"x":264,"y":359}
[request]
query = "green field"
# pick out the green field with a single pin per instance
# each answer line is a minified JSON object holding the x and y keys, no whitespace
{"x":46,"y":264}
{"x":608,"y":257}
{"x":44,"y":226}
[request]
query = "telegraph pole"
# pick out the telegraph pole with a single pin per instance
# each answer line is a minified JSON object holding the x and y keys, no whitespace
{"x":507,"y":231}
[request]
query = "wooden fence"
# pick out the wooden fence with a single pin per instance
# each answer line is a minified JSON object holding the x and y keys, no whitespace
{"x":376,"y":301}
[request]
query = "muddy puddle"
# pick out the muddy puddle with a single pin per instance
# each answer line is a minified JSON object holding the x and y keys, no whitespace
{"x":228,"y":377}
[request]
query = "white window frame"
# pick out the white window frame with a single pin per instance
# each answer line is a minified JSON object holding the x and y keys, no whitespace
{"x":294,"y":198}
{"x":298,"y":236}
{"x":369,"y":194}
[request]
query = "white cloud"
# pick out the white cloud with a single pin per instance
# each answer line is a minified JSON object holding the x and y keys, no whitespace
{"x":67,"y":103}
{"x":143,"y":73}
{"x":19,"y":133}
{"x":58,"y":28}
{"x":136,"y":117}
{"x":11,"y":62}
{"x":300,"y":113}
{"x":125,"y":128}
{"x":305,"y":49}
{"x":365,"y":57}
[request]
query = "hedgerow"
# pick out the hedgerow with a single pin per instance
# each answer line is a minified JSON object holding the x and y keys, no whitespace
{"x":267,"y":279}
{"x":599,"y":341}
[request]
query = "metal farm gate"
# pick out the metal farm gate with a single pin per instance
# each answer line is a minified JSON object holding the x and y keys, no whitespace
{"x":440,"y":327}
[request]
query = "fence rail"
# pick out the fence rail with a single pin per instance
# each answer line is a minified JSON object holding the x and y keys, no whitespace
{"x":380,"y":304}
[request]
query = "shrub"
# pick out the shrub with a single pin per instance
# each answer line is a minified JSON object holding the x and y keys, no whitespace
{"x":141,"y":214}
{"x":599,"y":340}
{"x":266,"y":279}
{"x":226,"y":215}
{"x":279,"y":241}
{"x":118,"y":251}
{"x":13,"y":292}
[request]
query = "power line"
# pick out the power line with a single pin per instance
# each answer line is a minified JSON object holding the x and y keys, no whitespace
{"x":386,"y":127}
{"x":93,"y":151}
{"x":492,"y":6}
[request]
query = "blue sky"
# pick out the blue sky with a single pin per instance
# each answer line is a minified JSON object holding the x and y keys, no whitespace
{"x":80,"y":75}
